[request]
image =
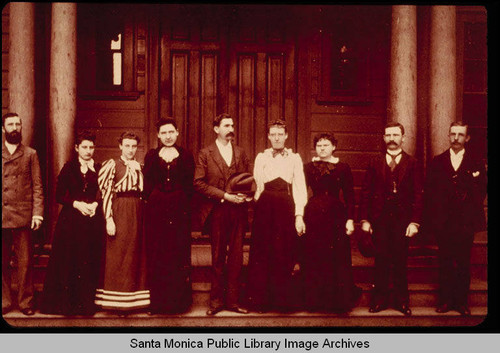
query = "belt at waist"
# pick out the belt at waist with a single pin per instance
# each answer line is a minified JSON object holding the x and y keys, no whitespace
{"x":131,"y":193}
{"x":277,"y":184}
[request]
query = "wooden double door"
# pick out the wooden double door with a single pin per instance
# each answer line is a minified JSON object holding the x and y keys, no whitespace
{"x":235,"y":59}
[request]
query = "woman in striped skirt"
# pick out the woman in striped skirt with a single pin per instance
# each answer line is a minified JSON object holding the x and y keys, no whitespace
{"x":124,"y":276}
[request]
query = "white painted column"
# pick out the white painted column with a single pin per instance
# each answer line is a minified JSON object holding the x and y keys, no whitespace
{"x":22,"y":66}
{"x":62,"y":109}
{"x":443,"y":76}
{"x":403,"y":74}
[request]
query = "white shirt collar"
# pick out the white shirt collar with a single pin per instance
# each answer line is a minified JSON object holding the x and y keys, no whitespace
{"x":458,"y":154}
{"x":456,"y":158}
{"x":395,"y":152}
{"x":86,"y":165}
{"x":223,"y":147}
{"x":332,"y":159}
{"x":11,"y":147}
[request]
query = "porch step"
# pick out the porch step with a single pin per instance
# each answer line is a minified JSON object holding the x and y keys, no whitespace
{"x":421,"y":294}
{"x":196,"y":317}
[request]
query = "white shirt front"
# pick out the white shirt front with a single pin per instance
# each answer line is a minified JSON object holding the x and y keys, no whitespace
{"x":10,"y":147}
{"x":456,"y":158}
{"x":289,"y":168}
{"x":225,"y":151}
{"x":397,"y":153}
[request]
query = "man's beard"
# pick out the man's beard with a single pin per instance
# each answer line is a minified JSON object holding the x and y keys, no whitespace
{"x":13,"y":137}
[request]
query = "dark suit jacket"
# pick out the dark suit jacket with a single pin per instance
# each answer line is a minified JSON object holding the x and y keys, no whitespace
{"x":441,"y":187}
{"x":409,"y":187}
{"x":22,"y":194}
{"x":211,"y":174}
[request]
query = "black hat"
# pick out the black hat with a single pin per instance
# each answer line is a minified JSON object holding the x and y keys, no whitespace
{"x":365,"y":244}
{"x":241,"y":183}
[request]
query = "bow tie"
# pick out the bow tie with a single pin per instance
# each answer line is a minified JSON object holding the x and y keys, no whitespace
{"x":282,"y":151}
{"x":132,"y":164}
{"x":86,"y":165}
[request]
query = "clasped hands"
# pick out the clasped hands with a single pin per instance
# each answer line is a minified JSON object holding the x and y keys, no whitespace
{"x":86,"y":209}
{"x":236,"y":198}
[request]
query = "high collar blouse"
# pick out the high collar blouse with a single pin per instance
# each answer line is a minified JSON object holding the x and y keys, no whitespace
{"x":288,"y":167}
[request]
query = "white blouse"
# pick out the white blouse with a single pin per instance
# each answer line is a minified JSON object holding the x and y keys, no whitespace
{"x":289,"y":168}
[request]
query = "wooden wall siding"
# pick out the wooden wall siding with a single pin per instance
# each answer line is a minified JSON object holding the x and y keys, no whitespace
{"x":246,"y":102}
{"x":209,"y":88}
{"x":5,"y":59}
{"x":276,"y":89}
{"x":180,"y":79}
{"x":191,"y":80}
{"x":110,"y":116}
{"x":109,"y":119}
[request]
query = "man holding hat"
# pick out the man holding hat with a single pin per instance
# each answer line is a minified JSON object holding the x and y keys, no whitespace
{"x":221,"y":176}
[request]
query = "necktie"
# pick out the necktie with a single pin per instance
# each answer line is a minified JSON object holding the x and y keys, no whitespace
{"x":393,"y":163}
{"x":281,"y":151}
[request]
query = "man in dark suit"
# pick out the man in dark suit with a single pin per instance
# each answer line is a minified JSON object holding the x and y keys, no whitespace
{"x":226,"y":213}
{"x":455,"y":191}
{"x":390,"y":208}
{"x":22,"y":212}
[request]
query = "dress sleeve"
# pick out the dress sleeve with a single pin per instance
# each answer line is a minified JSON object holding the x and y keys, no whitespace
{"x":299,"y":188}
{"x":258,"y":175}
{"x":106,"y":183}
{"x":63,"y":195}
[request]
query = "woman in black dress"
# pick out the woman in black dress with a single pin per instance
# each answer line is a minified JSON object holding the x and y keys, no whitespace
{"x":75,"y":263}
{"x":329,"y":284}
{"x":168,"y":188}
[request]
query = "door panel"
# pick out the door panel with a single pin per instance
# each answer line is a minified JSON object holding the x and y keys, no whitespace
{"x":236,"y":63}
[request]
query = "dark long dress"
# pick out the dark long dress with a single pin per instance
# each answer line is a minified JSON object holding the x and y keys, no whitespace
{"x":326,"y":265}
{"x":168,"y":188}
{"x":75,"y":263}
{"x":273,"y":250}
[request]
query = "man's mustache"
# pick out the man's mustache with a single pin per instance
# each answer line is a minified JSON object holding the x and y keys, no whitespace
{"x":230,"y":134}
{"x":392,"y":143}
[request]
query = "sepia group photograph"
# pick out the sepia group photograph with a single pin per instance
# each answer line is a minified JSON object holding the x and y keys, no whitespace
{"x":197,"y":167}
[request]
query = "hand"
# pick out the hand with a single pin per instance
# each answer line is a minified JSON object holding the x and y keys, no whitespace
{"x":349,"y":227}
{"x":237,"y":199}
{"x":83,"y":207}
{"x":300,"y":227}
{"x":36,"y":223}
{"x":92,"y":208}
{"x":366,"y":227}
{"x":110,"y":226}
{"x":411,"y":230}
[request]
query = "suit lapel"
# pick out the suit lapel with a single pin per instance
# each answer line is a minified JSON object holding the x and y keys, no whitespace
{"x":403,"y":164}
{"x":219,"y":161}
{"x":10,"y":157}
{"x":236,"y":156}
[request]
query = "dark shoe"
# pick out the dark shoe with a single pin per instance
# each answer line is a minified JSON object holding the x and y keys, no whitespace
{"x":404,"y":308}
{"x":377,"y":307}
{"x":213,"y":311}
{"x":444,"y":308}
{"x":6,"y":310}
{"x":463,"y":310}
{"x":238,"y":310}
{"x":28,"y":311}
